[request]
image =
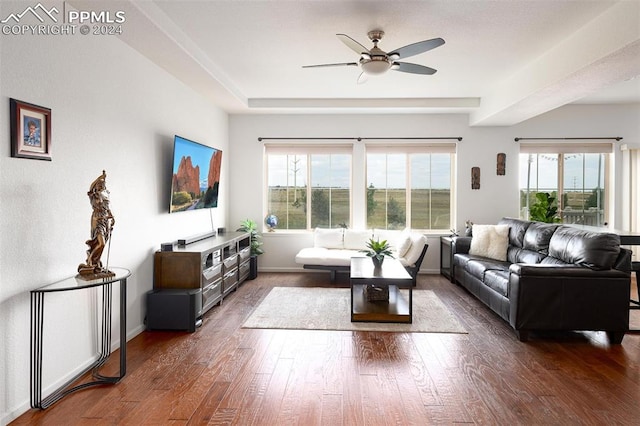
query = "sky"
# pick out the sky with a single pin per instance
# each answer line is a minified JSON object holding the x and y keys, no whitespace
{"x":385,"y":171}
{"x":427,"y":171}
{"x":388,"y":171}
{"x":547,"y":176}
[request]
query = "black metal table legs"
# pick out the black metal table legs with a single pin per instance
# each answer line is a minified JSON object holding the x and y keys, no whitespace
{"x":104,"y":347}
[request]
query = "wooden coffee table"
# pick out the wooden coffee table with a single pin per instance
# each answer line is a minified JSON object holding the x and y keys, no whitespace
{"x":392,"y":274}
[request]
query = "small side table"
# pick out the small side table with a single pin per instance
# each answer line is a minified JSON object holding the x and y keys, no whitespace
{"x":446,"y":258}
{"x":37,"y":329}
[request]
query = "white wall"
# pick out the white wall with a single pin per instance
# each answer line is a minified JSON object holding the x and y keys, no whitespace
{"x":112,"y":110}
{"x":498,"y":196}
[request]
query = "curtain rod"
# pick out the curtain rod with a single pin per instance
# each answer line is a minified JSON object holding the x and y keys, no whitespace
{"x":458,"y":138}
{"x":617,"y":138}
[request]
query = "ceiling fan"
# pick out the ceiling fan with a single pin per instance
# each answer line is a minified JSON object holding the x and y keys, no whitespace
{"x":375,"y":61}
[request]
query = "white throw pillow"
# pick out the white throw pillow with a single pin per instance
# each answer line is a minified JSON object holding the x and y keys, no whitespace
{"x":417,"y":244}
{"x":328,"y":238}
{"x":403,"y":242}
{"x":385,"y":234}
{"x":490,"y":241}
{"x":356,"y":240}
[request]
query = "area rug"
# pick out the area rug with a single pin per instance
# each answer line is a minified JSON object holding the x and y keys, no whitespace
{"x":315,"y":308}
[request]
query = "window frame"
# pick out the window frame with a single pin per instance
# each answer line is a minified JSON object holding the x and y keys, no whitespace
{"x":561,"y":150}
{"x":408,"y":151}
{"x":307,"y":150}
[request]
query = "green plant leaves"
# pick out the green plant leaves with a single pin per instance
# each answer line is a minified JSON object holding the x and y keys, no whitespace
{"x":377,"y":248}
{"x":543,"y":209}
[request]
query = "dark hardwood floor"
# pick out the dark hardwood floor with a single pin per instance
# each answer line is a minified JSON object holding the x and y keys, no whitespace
{"x":223,"y":374}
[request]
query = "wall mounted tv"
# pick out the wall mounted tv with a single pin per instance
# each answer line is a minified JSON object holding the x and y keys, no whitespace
{"x":196,"y":175}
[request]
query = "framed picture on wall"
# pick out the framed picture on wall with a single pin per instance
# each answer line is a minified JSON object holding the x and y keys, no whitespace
{"x":30,"y":131}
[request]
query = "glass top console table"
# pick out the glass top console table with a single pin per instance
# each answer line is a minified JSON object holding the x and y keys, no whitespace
{"x":104,"y":338}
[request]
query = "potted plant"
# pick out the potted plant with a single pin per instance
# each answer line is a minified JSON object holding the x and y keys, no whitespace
{"x":377,"y":250}
{"x":543,"y":210}
{"x":251,"y":227}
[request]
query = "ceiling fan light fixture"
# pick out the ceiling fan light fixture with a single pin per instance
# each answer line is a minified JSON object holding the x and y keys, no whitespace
{"x":375,"y":67}
{"x":376,"y":61}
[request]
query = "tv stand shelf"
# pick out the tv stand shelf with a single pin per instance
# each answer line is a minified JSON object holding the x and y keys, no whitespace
{"x":215,"y":265}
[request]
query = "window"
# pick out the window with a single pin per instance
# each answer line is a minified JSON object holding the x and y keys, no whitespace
{"x":309,"y":186}
{"x":574,"y":175}
{"x":410,"y":187}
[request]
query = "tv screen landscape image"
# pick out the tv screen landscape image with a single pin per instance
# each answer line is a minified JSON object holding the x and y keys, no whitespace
{"x":196,"y":175}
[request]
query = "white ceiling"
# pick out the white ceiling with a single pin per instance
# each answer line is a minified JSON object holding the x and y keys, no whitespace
{"x":503,"y":61}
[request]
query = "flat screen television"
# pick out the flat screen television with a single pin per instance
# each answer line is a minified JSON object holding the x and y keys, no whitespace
{"x":196,"y":175}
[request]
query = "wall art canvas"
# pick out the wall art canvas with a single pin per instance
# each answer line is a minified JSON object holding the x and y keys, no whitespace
{"x":501,"y":164}
{"x":475,"y":178}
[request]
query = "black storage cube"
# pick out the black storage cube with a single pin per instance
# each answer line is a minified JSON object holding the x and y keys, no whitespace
{"x":178,"y":309}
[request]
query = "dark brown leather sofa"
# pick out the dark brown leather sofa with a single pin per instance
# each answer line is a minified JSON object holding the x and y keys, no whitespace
{"x":556,"y":277}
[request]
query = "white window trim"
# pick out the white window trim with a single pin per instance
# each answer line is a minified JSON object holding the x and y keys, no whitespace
{"x":296,"y":148}
{"x":576,"y":148}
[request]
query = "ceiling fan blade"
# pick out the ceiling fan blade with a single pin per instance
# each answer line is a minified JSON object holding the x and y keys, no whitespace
{"x":363,"y":78}
{"x":352,"y":44}
{"x":416,"y":48}
{"x":342,"y":64}
{"x":413,"y":68}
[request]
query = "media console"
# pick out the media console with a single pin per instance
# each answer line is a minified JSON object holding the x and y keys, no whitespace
{"x":214,"y":265}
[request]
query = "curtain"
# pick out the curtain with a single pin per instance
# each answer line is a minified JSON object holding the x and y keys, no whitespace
{"x":631,"y":193}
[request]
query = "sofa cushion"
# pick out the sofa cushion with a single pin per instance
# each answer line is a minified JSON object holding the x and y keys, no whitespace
{"x":402,"y":242}
{"x":517,"y":229}
{"x":417,"y":244}
{"x":529,"y":256}
{"x":460,"y":260}
{"x":595,"y":250}
{"x":328,"y":238}
{"x":538,"y":235}
{"x":356,"y":240}
{"x":385,"y":234}
{"x":490,"y":241}
{"x":326,"y":257}
{"x":497,"y":281}
{"x":477,"y":267}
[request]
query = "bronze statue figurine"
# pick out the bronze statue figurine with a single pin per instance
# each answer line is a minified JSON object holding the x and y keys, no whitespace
{"x":102,"y":222}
